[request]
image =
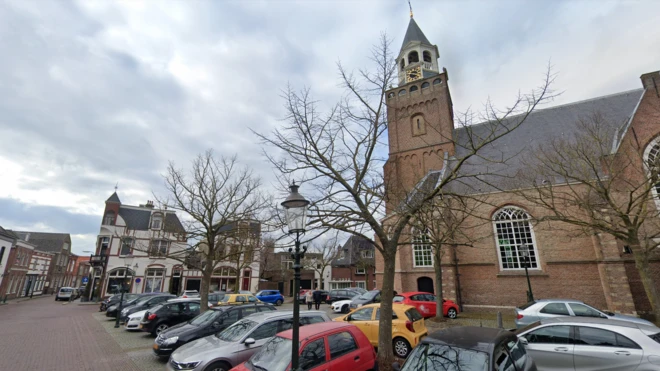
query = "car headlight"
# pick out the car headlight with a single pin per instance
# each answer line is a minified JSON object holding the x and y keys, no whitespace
{"x":124,"y":312}
{"x":187,"y":366}
{"x":172,"y":340}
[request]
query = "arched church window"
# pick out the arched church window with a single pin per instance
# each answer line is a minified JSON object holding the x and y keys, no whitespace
{"x":652,"y":162}
{"x":437,"y":81}
{"x":425,"y":85}
{"x":402,"y":92}
{"x":414,"y":88}
{"x":427,"y":56}
{"x":413,"y":57}
{"x":390,"y":95}
{"x":418,"y":125}
{"x":515,"y":239}
{"x":422,"y":250}
{"x":403,"y":63}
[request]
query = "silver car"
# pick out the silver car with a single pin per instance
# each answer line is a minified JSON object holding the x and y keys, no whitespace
{"x":238,"y":342}
{"x":581,"y":344}
{"x":551,"y":308}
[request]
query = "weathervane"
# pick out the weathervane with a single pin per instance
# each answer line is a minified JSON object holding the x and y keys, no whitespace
{"x":410,"y":6}
{"x":116,"y":186}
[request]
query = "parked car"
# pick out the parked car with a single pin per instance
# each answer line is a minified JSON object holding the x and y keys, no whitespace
{"x":112,"y":309}
{"x":343,"y":306}
{"x":238,"y":342}
{"x":166,"y":315}
{"x":270,"y":296}
{"x":408,"y":326}
{"x":426,"y":305}
{"x":215,"y":298}
{"x":342,"y":294}
{"x":324,"y":346}
{"x":114,"y":299}
{"x":583,"y":343}
{"x":549,"y":308}
{"x":368,"y":297}
{"x":65,"y":293}
{"x":245,"y":292}
{"x":143,"y":303}
{"x":133,"y":322}
{"x":237,"y":299}
{"x":470,"y":348}
{"x":208,"y":323}
{"x":190,"y":294}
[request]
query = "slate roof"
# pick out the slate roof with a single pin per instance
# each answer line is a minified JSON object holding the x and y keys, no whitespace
{"x":139,"y":219}
{"x":354,"y":246}
{"x":7,"y":233}
{"x":414,"y":33}
{"x":113,"y":198}
{"x":515,"y":147}
{"x":49,"y":242}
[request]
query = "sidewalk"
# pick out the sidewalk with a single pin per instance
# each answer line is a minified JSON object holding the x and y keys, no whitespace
{"x":22,"y":299}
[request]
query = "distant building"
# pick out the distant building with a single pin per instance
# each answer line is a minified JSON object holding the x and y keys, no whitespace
{"x":354,"y":265}
{"x":59,"y":244}
{"x":277,"y":272}
{"x":38,"y":271}
{"x":15,"y":282}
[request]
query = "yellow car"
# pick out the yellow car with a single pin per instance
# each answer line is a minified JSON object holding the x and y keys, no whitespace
{"x":408,"y":326}
{"x":234,"y":299}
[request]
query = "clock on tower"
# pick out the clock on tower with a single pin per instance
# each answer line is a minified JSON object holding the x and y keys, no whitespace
{"x":413,"y":74}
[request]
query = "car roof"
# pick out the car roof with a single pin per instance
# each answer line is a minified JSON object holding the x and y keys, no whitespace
{"x":597,"y":321}
{"x":411,"y":293}
{"x":266,"y":316}
{"x":470,"y":337}
{"x":183,"y":300}
{"x":315,"y":329}
{"x":227,"y":307}
{"x":565,"y":300}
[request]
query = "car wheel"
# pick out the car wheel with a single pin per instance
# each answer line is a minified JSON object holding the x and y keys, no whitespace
{"x":161,"y":327}
{"x":278,"y":302}
{"x":57,"y":299}
{"x":218,"y":366}
{"x":401,"y":347}
{"x":344,"y":308}
{"x":451,"y":313}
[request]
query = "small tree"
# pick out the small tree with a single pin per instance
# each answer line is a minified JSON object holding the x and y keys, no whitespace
{"x":580,"y":181}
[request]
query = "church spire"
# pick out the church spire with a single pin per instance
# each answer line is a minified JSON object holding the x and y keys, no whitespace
{"x":410,"y":6}
{"x":418,"y":58}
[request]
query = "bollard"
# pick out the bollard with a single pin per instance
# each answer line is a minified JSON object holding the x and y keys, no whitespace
{"x":5,"y":299}
{"x":499,"y":320}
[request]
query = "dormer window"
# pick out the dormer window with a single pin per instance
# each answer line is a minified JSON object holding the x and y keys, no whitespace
{"x":109,"y":219}
{"x":413,"y":57}
{"x":157,"y":221}
{"x":427,"y":56}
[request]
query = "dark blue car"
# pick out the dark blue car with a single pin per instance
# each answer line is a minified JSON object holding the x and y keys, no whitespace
{"x":270,"y":296}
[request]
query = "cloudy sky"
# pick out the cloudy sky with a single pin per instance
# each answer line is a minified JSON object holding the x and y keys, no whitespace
{"x":95,"y":93}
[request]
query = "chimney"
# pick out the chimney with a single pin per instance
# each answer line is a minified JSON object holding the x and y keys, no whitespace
{"x":651,"y":81}
{"x":150,"y":204}
{"x":27,"y":237}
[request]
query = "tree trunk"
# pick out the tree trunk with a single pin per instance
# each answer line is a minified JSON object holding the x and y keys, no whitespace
{"x":642,"y":264}
{"x":385,"y":351}
{"x":207,"y":272}
{"x":437,"y":260}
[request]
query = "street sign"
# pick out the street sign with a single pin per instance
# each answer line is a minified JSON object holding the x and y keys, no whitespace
{"x":85,"y":279}
{"x":137,"y":280}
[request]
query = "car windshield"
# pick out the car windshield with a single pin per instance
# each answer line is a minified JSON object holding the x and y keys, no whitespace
{"x":143,"y":300}
{"x":156,"y":308}
{"x":275,"y":355}
{"x":260,"y":293}
{"x":356,"y":297}
{"x":369,"y":295}
{"x":205,"y":318}
{"x":66,"y":290}
{"x":398,"y":299}
{"x":527,"y":328}
{"x":236,"y":331}
{"x":525,"y":306}
{"x":427,"y":357}
{"x":413,"y":314}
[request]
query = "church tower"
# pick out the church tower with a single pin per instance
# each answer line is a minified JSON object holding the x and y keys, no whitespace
{"x":420,"y":117}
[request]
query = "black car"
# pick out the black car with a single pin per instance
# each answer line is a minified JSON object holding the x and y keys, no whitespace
{"x":208,"y":323}
{"x":168,"y":314}
{"x":341,"y":294}
{"x":370,"y":297}
{"x":143,"y":303}
{"x":469,"y":348}
{"x":114,"y":299}
{"x":112,"y":309}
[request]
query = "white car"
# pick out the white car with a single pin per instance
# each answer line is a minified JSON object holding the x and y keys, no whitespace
{"x":134,"y":319}
{"x":190,"y":294}
{"x":342,"y":306}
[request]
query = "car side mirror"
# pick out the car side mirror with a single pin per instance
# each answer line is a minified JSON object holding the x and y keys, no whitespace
{"x":396,"y":366}
{"x":249,"y":341}
{"x":523,"y":341}
{"x":348,"y":318}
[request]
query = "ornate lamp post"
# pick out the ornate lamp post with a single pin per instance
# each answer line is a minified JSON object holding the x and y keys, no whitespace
{"x":295,"y":208}
{"x":127,"y":262}
{"x":525,"y":254}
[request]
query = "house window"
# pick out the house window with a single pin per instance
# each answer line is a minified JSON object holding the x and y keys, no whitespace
{"x":18,"y":258}
{"x":368,"y":254}
{"x":153,"y":281}
{"x":157,"y":221}
{"x":361,"y":284}
{"x":126,"y":246}
{"x":422,"y":250}
{"x":360,"y":271}
{"x":514,"y":235}
{"x":287,"y":265}
{"x":652,"y":161}
{"x":104,"y":242}
{"x":158,"y":248}
{"x":109,"y":219}
{"x":340,"y":285}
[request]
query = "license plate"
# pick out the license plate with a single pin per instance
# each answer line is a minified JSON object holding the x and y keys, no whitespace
{"x":155,"y":346}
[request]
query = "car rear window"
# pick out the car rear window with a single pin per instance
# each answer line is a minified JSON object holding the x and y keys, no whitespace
{"x":655,"y":337}
{"x":525,"y":306}
{"x":413,"y":315}
{"x":397,"y":299}
{"x":66,"y":290}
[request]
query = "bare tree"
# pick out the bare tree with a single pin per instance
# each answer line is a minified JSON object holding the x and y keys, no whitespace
{"x":320,"y":256}
{"x":580,"y":181}
{"x":214,"y":196}
{"x":269,"y":261}
{"x":338,"y":155}
{"x":443,"y":223}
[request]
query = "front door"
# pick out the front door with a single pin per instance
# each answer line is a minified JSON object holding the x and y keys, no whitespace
{"x":364,"y":320}
{"x":425,"y":284}
{"x":175,"y":282}
{"x":551,"y":347}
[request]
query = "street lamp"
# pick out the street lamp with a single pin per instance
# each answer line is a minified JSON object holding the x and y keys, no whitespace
{"x":127,"y":262}
{"x":525,"y":254}
{"x":295,"y":208}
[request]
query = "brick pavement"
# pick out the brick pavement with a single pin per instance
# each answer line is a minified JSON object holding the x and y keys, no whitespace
{"x":41,"y":334}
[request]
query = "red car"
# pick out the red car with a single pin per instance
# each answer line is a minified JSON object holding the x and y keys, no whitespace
{"x":324,"y":346}
{"x":425,"y":304}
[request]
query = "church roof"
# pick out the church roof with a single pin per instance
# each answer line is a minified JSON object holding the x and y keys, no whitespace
{"x":113,"y":198}
{"x":139,"y":219}
{"x":414,"y":33}
{"x":538,"y":128}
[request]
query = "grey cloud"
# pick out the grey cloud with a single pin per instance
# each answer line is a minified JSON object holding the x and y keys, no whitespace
{"x":15,"y":214}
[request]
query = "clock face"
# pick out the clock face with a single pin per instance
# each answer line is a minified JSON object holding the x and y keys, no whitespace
{"x":413,"y":74}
